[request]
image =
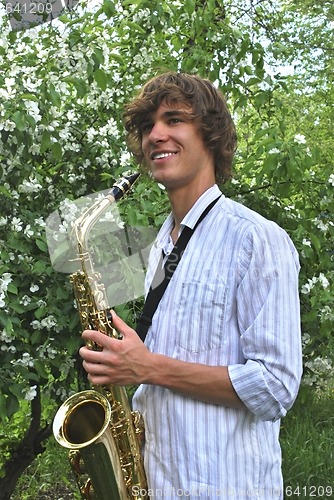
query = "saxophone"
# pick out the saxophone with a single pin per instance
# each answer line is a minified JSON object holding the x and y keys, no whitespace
{"x":97,"y":425}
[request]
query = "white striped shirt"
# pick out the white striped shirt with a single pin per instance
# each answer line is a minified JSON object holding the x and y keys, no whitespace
{"x":233,"y":301}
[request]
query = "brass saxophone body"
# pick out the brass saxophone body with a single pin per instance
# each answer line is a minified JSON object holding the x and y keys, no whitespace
{"x":98,"y":425}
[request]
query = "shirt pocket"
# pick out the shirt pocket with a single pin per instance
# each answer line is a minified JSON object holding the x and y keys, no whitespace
{"x":200,"y":316}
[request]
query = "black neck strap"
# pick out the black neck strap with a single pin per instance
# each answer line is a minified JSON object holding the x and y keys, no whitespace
{"x":163,"y":275}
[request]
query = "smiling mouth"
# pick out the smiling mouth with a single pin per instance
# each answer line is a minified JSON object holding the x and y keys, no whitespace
{"x":158,"y":156}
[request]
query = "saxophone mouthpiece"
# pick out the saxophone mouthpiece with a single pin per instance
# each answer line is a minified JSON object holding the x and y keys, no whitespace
{"x":123,"y":185}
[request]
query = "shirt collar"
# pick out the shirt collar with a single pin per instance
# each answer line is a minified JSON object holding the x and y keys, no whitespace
{"x":190,"y":218}
{"x":200,"y":205}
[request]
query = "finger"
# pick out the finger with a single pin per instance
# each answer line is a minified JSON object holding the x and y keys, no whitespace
{"x":123,"y":327}
{"x":94,"y":336}
{"x":91,"y":356}
{"x":99,"y":380}
{"x":118,"y":323}
{"x":94,"y":368}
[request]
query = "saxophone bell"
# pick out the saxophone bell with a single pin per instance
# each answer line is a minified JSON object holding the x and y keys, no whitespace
{"x":82,"y":424}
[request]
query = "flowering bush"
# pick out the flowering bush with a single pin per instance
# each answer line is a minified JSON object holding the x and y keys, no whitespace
{"x":62,"y":90}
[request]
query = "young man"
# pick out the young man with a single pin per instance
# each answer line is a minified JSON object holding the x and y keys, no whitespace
{"x":221,"y":363}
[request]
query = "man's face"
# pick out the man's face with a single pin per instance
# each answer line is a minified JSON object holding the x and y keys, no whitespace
{"x":173,"y":148}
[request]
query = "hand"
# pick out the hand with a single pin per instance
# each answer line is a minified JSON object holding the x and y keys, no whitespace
{"x":120,"y":362}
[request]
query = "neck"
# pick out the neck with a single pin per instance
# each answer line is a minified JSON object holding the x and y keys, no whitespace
{"x":182,"y":200}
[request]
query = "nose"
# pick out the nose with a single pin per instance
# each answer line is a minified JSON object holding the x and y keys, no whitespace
{"x":158,"y":133}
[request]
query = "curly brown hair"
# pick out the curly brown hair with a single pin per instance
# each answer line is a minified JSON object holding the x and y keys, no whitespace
{"x":207,"y":107}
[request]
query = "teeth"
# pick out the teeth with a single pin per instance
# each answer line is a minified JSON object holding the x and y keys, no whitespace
{"x":162,"y":155}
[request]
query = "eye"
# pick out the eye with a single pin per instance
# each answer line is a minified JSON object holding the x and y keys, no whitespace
{"x":174,"y":120}
{"x":146,"y":127}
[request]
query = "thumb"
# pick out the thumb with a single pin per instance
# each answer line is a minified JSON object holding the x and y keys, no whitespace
{"x":123,"y":328}
{"x":119,"y":324}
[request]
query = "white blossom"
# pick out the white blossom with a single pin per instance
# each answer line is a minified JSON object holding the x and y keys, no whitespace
{"x":35,"y":324}
{"x":48,"y":323}
{"x":331,"y":179}
{"x":17,"y":224}
{"x":326,"y":313}
{"x":6,"y":336}
{"x":321,"y":225}
{"x":7,"y":125}
{"x":28,"y":231}
{"x":320,"y":371}
{"x":31,"y":85}
{"x":274,"y":151}
{"x":125,"y":158}
{"x":113,"y":218}
{"x":40,"y":222}
{"x":46,"y":351}
{"x":110,"y":128}
{"x":34,"y":149}
{"x":323,"y":281}
{"x":307,"y":287}
{"x":33,"y":109}
{"x":25,"y":300}
{"x":9,"y":83}
{"x":91,"y":133}
{"x":26,"y":360}
{"x":300,"y":138}
{"x":4,"y":281}
{"x":34,"y":288}
{"x":8,"y":348}
{"x":320,"y":364}
{"x":30,"y":393}
{"x":306,"y":339}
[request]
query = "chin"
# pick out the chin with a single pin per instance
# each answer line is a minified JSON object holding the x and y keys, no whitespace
{"x":160,"y":176}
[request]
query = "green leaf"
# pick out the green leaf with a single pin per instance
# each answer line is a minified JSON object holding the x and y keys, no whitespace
{"x":117,"y":57}
{"x":19,"y":119}
{"x":135,"y":27}
{"x":46,"y":141}
{"x":98,"y":56}
{"x":73,"y":344}
{"x":12,"y":288}
{"x":39,"y":267}
{"x":315,"y":241}
{"x":19,"y":308}
{"x":54,"y":96}
{"x":57,"y":152}
{"x":3,"y":406}
{"x":41,"y":245}
{"x":189,"y":6}
{"x":16,"y":390}
{"x":79,"y":84}
{"x":40,"y":369}
{"x":31,"y":121}
{"x":109,"y":8}
{"x":101,"y":78}
{"x":253,"y":81}
{"x":12,"y":405}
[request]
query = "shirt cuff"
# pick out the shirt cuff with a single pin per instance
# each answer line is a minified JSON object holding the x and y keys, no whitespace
{"x":249,"y":382}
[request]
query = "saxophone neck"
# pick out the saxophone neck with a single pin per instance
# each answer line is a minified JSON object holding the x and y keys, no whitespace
{"x":83,"y":225}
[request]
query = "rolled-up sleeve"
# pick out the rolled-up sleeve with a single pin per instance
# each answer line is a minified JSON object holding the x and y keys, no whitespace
{"x":268,"y":313}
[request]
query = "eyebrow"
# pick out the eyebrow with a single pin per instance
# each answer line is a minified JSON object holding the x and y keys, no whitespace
{"x":167,"y":114}
{"x":175,"y":112}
